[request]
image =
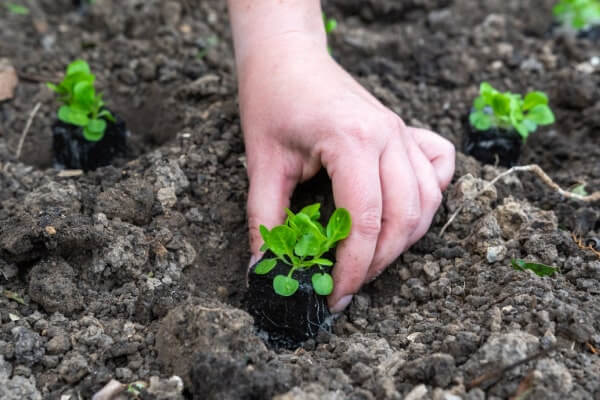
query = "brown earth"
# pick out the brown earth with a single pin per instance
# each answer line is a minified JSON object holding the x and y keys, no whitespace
{"x":137,"y":271}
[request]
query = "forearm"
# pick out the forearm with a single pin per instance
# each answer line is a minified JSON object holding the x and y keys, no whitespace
{"x":258,"y":24}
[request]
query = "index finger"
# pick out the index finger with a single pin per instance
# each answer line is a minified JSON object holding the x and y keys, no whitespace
{"x":356,"y":187}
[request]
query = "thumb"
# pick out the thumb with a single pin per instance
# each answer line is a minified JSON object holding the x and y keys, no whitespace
{"x":271,"y":187}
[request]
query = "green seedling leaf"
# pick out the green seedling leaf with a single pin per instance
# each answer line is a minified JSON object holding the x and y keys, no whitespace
{"x":285,"y":286}
{"x":322,"y":283}
{"x":538,"y":269}
{"x":541,"y":115}
{"x":16,"y":9}
{"x":282,"y":240}
{"x":322,"y":261}
{"x":305,"y":225}
{"x":107,"y":116}
{"x":265,"y":266}
{"x":308,"y":245}
{"x":78,"y":66}
{"x":578,"y":14}
{"x":533,"y":99}
{"x":94,"y":131}
{"x":492,"y":109}
{"x":312,"y":211}
{"x":300,"y":243}
{"x":339,"y":225}
{"x":580,"y":190}
{"x":82,"y":106}
{"x":480,"y":120}
{"x":501,"y":104}
{"x":330,"y":24}
{"x":14,"y":296}
{"x":84,"y":94}
{"x":72,"y":116}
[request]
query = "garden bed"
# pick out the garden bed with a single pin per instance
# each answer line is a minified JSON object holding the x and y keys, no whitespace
{"x":137,"y":271}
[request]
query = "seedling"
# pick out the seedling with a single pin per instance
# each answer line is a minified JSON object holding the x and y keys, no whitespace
{"x":506,"y":110}
{"x":330,"y":26}
{"x":537,"y":268}
{"x":301,"y":243}
{"x":578,"y":14}
{"x":82,"y":106}
{"x":16,"y":9}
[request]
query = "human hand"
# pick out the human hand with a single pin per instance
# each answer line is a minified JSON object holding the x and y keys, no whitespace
{"x":300,"y":111}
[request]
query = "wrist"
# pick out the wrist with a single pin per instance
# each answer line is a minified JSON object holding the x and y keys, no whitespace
{"x":266,"y":26}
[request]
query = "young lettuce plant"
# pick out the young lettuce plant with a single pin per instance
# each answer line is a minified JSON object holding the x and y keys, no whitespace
{"x":82,"y":106}
{"x":578,"y":14}
{"x":301,"y":243}
{"x":506,"y":110}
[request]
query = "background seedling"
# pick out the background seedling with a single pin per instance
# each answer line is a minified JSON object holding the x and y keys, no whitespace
{"x":16,"y":9}
{"x":506,"y":110}
{"x":330,"y":26}
{"x":578,"y":14}
{"x":82,"y":106}
{"x":537,"y":268}
{"x":301,"y":243}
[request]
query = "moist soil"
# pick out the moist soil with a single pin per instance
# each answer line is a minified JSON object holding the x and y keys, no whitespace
{"x":137,"y":271}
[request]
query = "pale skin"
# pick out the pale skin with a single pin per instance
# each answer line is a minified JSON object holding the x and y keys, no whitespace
{"x":301,"y":111}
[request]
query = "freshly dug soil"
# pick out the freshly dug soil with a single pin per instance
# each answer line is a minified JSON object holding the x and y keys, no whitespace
{"x":137,"y":271}
{"x":288,"y":321}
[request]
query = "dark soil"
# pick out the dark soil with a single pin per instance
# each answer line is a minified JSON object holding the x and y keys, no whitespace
{"x":136,"y":271}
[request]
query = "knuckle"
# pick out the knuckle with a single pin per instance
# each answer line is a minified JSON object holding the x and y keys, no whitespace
{"x":369,"y":223}
{"x":411,"y":220}
{"x":434,"y":197}
{"x":396,"y":122}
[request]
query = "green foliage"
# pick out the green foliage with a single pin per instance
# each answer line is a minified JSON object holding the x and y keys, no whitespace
{"x":579,"y":190}
{"x":82,"y":106}
{"x":330,"y":26}
{"x":578,"y":14}
{"x":538,"y":269}
{"x":300,"y":242}
{"x":16,"y":9}
{"x":506,"y":110}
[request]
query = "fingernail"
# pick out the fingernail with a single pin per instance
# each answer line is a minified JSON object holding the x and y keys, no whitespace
{"x":341,"y":304}
{"x":252,"y":261}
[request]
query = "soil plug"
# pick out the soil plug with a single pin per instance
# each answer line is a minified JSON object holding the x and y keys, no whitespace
{"x":87,"y":135}
{"x":288,"y":286}
{"x":500,"y":123}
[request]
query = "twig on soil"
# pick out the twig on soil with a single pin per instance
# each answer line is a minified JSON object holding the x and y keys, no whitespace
{"x":524,"y":387}
{"x":536,"y":169}
{"x":579,"y":243}
{"x":34,"y":78}
{"x":208,"y":309}
{"x":26,"y":129}
{"x":498,"y":374}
